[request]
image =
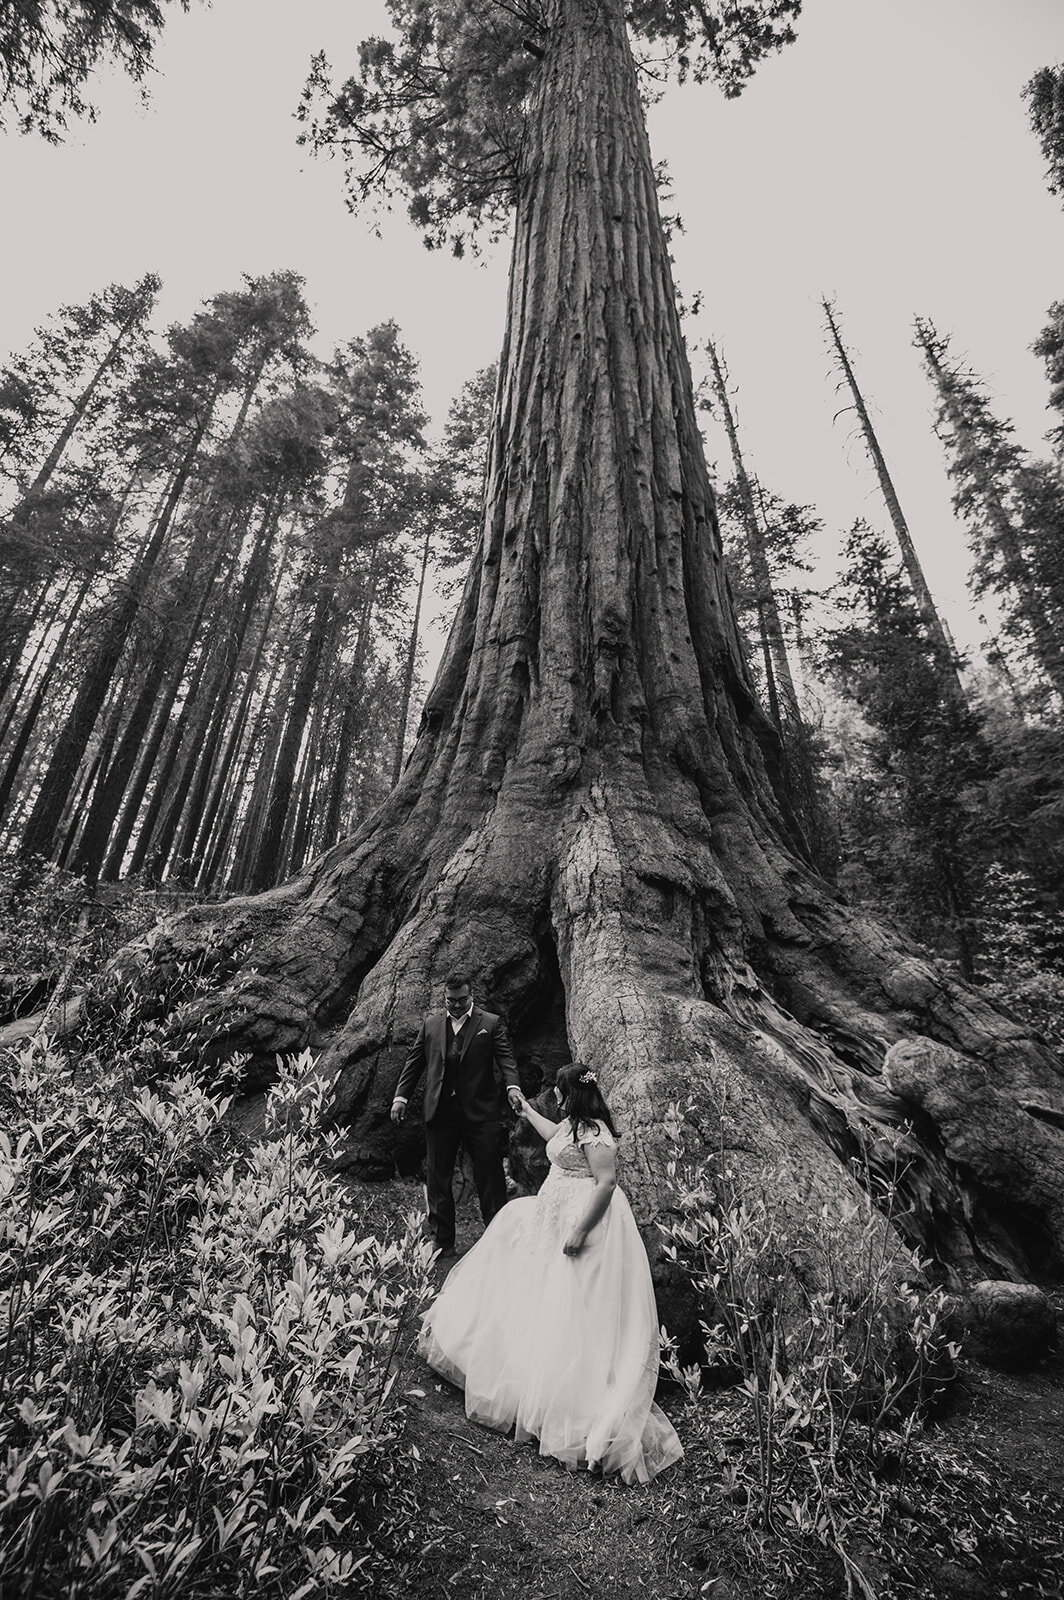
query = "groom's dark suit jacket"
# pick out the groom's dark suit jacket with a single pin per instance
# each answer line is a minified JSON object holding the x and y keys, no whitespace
{"x":484,"y":1044}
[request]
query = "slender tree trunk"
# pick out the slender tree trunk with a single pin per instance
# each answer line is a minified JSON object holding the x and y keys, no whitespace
{"x":588,"y":813}
{"x":266,"y":860}
{"x":213,"y":681}
{"x":225,"y":846}
{"x":112,"y":788}
{"x":180,"y":763}
{"x":92,"y":691}
{"x":783,"y":701}
{"x":73,"y":826}
{"x":25,"y":683}
{"x":218,"y":703}
{"x":353,"y":701}
{"x":314,"y":781}
{"x":19,"y":638}
{"x":15,"y":638}
{"x":210,"y":833}
{"x":935,"y":625}
{"x":266,"y":740}
{"x":299,"y":812}
{"x":201,"y":769}
{"x":410,"y":664}
{"x":18,"y":750}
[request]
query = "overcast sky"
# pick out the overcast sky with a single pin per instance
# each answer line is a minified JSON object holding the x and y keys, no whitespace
{"x":885,"y":159}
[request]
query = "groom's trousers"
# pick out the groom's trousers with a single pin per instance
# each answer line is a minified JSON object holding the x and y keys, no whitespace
{"x":444,"y":1135}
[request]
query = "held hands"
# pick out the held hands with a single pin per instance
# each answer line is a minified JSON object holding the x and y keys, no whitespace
{"x":517,"y":1101}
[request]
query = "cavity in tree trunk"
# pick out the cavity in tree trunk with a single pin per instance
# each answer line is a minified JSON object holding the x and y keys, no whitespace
{"x":588,"y":820}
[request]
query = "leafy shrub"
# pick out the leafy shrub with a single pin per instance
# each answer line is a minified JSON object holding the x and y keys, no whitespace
{"x":142,"y":1010}
{"x":53,"y":925}
{"x":197,"y":1381}
{"x":837,"y":1347}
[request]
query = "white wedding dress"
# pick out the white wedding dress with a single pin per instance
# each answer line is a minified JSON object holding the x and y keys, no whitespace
{"x":563,"y":1348}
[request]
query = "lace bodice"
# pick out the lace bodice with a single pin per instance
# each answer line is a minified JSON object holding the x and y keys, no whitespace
{"x":568,"y":1158}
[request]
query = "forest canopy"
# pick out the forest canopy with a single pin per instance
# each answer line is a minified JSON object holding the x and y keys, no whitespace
{"x":437,"y":113}
{"x":49,"y":49}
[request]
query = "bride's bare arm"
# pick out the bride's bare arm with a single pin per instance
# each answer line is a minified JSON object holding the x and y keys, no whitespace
{"x":543,"y":1126}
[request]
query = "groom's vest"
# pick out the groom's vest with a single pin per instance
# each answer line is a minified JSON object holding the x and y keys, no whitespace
{"x":452,"y":1061}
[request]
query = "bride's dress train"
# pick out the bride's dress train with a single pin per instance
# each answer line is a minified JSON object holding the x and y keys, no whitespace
{"x":562,"y":1348}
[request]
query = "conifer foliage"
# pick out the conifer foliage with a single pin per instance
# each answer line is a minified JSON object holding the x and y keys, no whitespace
{"x":1013,"y":507}
{"x":1045,"y":101}
{"x":438,"y":113}
{"x":50,"y":48}
{"x":915,"y":836}
{"x":207,"y":551}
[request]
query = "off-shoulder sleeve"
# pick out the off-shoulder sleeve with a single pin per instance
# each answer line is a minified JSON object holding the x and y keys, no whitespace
{"x":594,"y":1133}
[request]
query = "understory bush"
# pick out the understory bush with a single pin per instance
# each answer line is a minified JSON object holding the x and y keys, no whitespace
{"x":198,"y":1355}
{"x":57,"y":930}
{"x":832,"y":1335}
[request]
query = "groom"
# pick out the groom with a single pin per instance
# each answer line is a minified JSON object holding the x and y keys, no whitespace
{"x":458,"y":1047}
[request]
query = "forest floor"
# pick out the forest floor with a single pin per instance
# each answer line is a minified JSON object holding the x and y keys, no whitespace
{"x":975,"y":1512}
{"x":500,"y":1522}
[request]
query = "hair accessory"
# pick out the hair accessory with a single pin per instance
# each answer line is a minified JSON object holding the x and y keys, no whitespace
{"x":588,"y":1077}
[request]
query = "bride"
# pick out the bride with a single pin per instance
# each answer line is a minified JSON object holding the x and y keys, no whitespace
{"x":549,"y":1322}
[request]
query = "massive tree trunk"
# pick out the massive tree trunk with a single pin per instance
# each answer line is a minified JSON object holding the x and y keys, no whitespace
{"x":588,"y":819}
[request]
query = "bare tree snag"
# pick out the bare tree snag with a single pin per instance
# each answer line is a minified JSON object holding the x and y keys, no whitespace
{"x":937,"y":628}
{"x":589,"y":813}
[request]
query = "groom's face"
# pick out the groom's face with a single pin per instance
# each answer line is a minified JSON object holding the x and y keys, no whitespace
{"x":457,"y":1000}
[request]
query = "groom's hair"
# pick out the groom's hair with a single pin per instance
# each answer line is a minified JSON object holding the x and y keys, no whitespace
{"x":457,"y":980}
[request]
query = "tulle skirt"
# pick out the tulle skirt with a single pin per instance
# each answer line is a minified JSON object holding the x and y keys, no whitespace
{"x":562,"y":1348}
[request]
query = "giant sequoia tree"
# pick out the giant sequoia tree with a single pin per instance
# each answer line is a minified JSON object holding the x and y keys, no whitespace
{"x":590,"y":817}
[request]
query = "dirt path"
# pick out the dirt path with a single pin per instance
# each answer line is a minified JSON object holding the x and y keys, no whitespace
{"x":505,"y":1523}
{"x":500,"y":1522}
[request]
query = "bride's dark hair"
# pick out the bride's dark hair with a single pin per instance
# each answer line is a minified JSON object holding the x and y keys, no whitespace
{"x":582,"y":1099}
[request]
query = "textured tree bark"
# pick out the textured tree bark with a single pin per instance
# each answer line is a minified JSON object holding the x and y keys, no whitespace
{"x":589,"y":813}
